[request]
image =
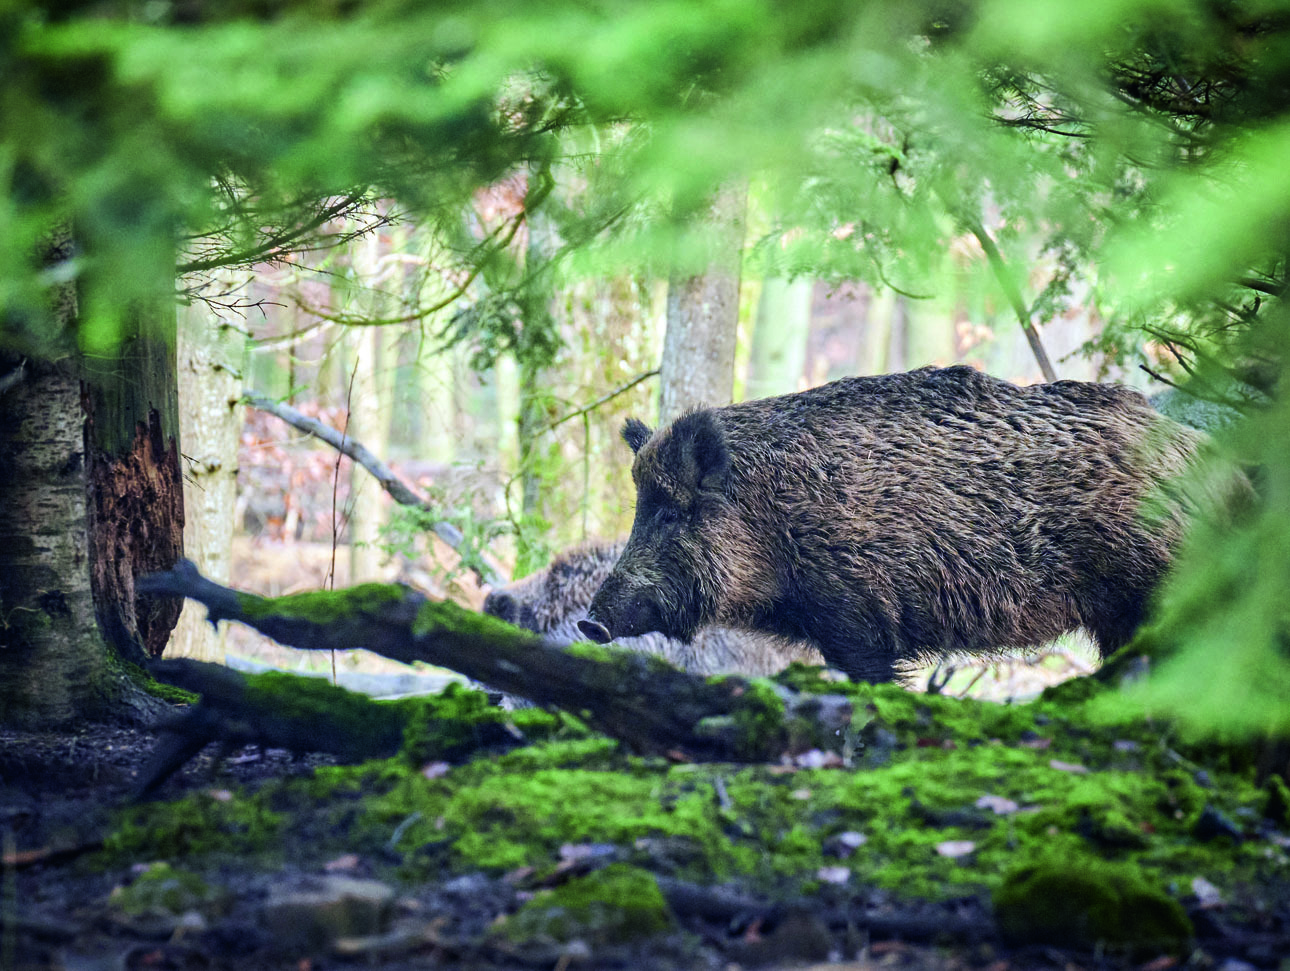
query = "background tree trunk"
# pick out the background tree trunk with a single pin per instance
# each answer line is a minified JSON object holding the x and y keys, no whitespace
{"x":534,"y":348}
{"x":210,"y":364}
{"x":698,"y":366}
{"x":779,"y":337}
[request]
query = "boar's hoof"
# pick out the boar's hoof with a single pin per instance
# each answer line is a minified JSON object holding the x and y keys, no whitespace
{"x":595,"y":630}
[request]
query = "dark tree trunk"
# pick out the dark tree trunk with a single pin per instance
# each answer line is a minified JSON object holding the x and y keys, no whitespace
{"x":136,"y":505}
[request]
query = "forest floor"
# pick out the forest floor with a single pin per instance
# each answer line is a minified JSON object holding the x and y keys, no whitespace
{"x":957,"y":834}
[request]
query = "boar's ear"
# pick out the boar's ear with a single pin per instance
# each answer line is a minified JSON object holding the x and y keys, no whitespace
{"x":700,"y":453}
{"x":635,"y":433}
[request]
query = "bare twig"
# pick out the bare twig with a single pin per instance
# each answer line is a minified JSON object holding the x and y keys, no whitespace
{"x":276,"y":242}
{"x":335,"y":483}
{"x":604,"y":398}
{"x":400,"y":491}
{"x":1159,"y":377}
{"x":1013,"y":294}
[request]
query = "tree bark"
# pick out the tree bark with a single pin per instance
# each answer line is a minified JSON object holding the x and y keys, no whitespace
{"x":136,"y":500}
{"x":210,"y":353}
{"x":89,"y":499}
{"x":51,"y":655}
{"x":702,"y":315}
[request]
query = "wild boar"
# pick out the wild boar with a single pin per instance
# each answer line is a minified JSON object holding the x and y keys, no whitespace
{"x":553,"y":600}
{"x":902,"y":517}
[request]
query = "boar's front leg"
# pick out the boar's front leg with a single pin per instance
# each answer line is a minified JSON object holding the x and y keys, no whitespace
{"x":852,"y":640}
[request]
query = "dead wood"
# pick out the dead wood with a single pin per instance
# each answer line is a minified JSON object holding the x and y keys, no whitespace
{"x":402,"y":493}
{"x":635,"y":698}
{"x":305,"y":715}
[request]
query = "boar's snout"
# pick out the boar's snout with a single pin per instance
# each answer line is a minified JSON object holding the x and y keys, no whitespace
{"x":501,"y":604}
{"x":594,"y":630}
{"x":616,"y":613}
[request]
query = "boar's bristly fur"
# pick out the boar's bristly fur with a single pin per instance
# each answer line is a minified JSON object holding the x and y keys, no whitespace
{"x":902,"y":516}
{"x":553,"y":600}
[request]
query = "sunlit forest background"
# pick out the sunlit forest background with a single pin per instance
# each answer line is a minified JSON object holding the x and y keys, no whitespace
{"x":459,"y":234}
{"x":367,"y":337}
{"x":446,"y":416}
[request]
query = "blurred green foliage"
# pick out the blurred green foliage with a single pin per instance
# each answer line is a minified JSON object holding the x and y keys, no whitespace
{"x":1142,"y":142}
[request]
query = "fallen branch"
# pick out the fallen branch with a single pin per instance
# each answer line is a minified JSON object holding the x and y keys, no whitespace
{"x":635,"y":698}
{"x":279,"y":710}
{"x":399,"y":491}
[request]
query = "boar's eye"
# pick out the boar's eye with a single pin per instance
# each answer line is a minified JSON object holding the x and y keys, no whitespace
{"x":653,"y":505}
{"x":665,"y":514}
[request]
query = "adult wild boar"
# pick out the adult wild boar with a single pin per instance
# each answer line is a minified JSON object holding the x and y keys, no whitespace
{"x":902,"y":516}
{"x":553,"y":600}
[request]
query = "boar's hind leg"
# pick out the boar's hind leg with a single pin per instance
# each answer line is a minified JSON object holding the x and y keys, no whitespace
{"x":1114,"y":627}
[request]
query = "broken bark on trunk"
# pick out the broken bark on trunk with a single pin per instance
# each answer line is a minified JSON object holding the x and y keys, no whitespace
{"x":136,"y":498}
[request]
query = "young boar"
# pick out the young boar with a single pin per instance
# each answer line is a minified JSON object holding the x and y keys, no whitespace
{"x":900,"y":517}
{"x":553,"y":600}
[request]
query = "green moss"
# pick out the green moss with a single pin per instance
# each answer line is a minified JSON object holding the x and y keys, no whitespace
{"x":448,"y":725}
{"x":759,"y":720}
{"x":1276,"y":801}
{"x":158,"y":689}
{"x":618,"y":903}
{"x":1074,"y":691}
{"x":306,"y":710}
{"x":170,"y":693}
{"x":323,"y":606}
{"x":163,"y":889}
{"x":1084,"y":902}
{"x":594,"y":652}
{"x":194,"y":826}
{"x":435,"y":616}
{"x":921,"y":767}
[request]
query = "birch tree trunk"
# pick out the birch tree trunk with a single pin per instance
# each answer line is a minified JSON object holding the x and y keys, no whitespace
{"x":210,"y":353}
{"x":90,"y":499}
{"x":52,"y":657}
{"x":698,"y":366}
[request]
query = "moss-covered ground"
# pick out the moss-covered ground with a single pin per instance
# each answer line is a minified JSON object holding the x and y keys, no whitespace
{"x":1037,"y":804}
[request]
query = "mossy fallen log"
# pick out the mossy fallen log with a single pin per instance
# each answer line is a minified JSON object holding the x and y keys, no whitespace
{"x":635,"y":698}
{"x":280,"y":710}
